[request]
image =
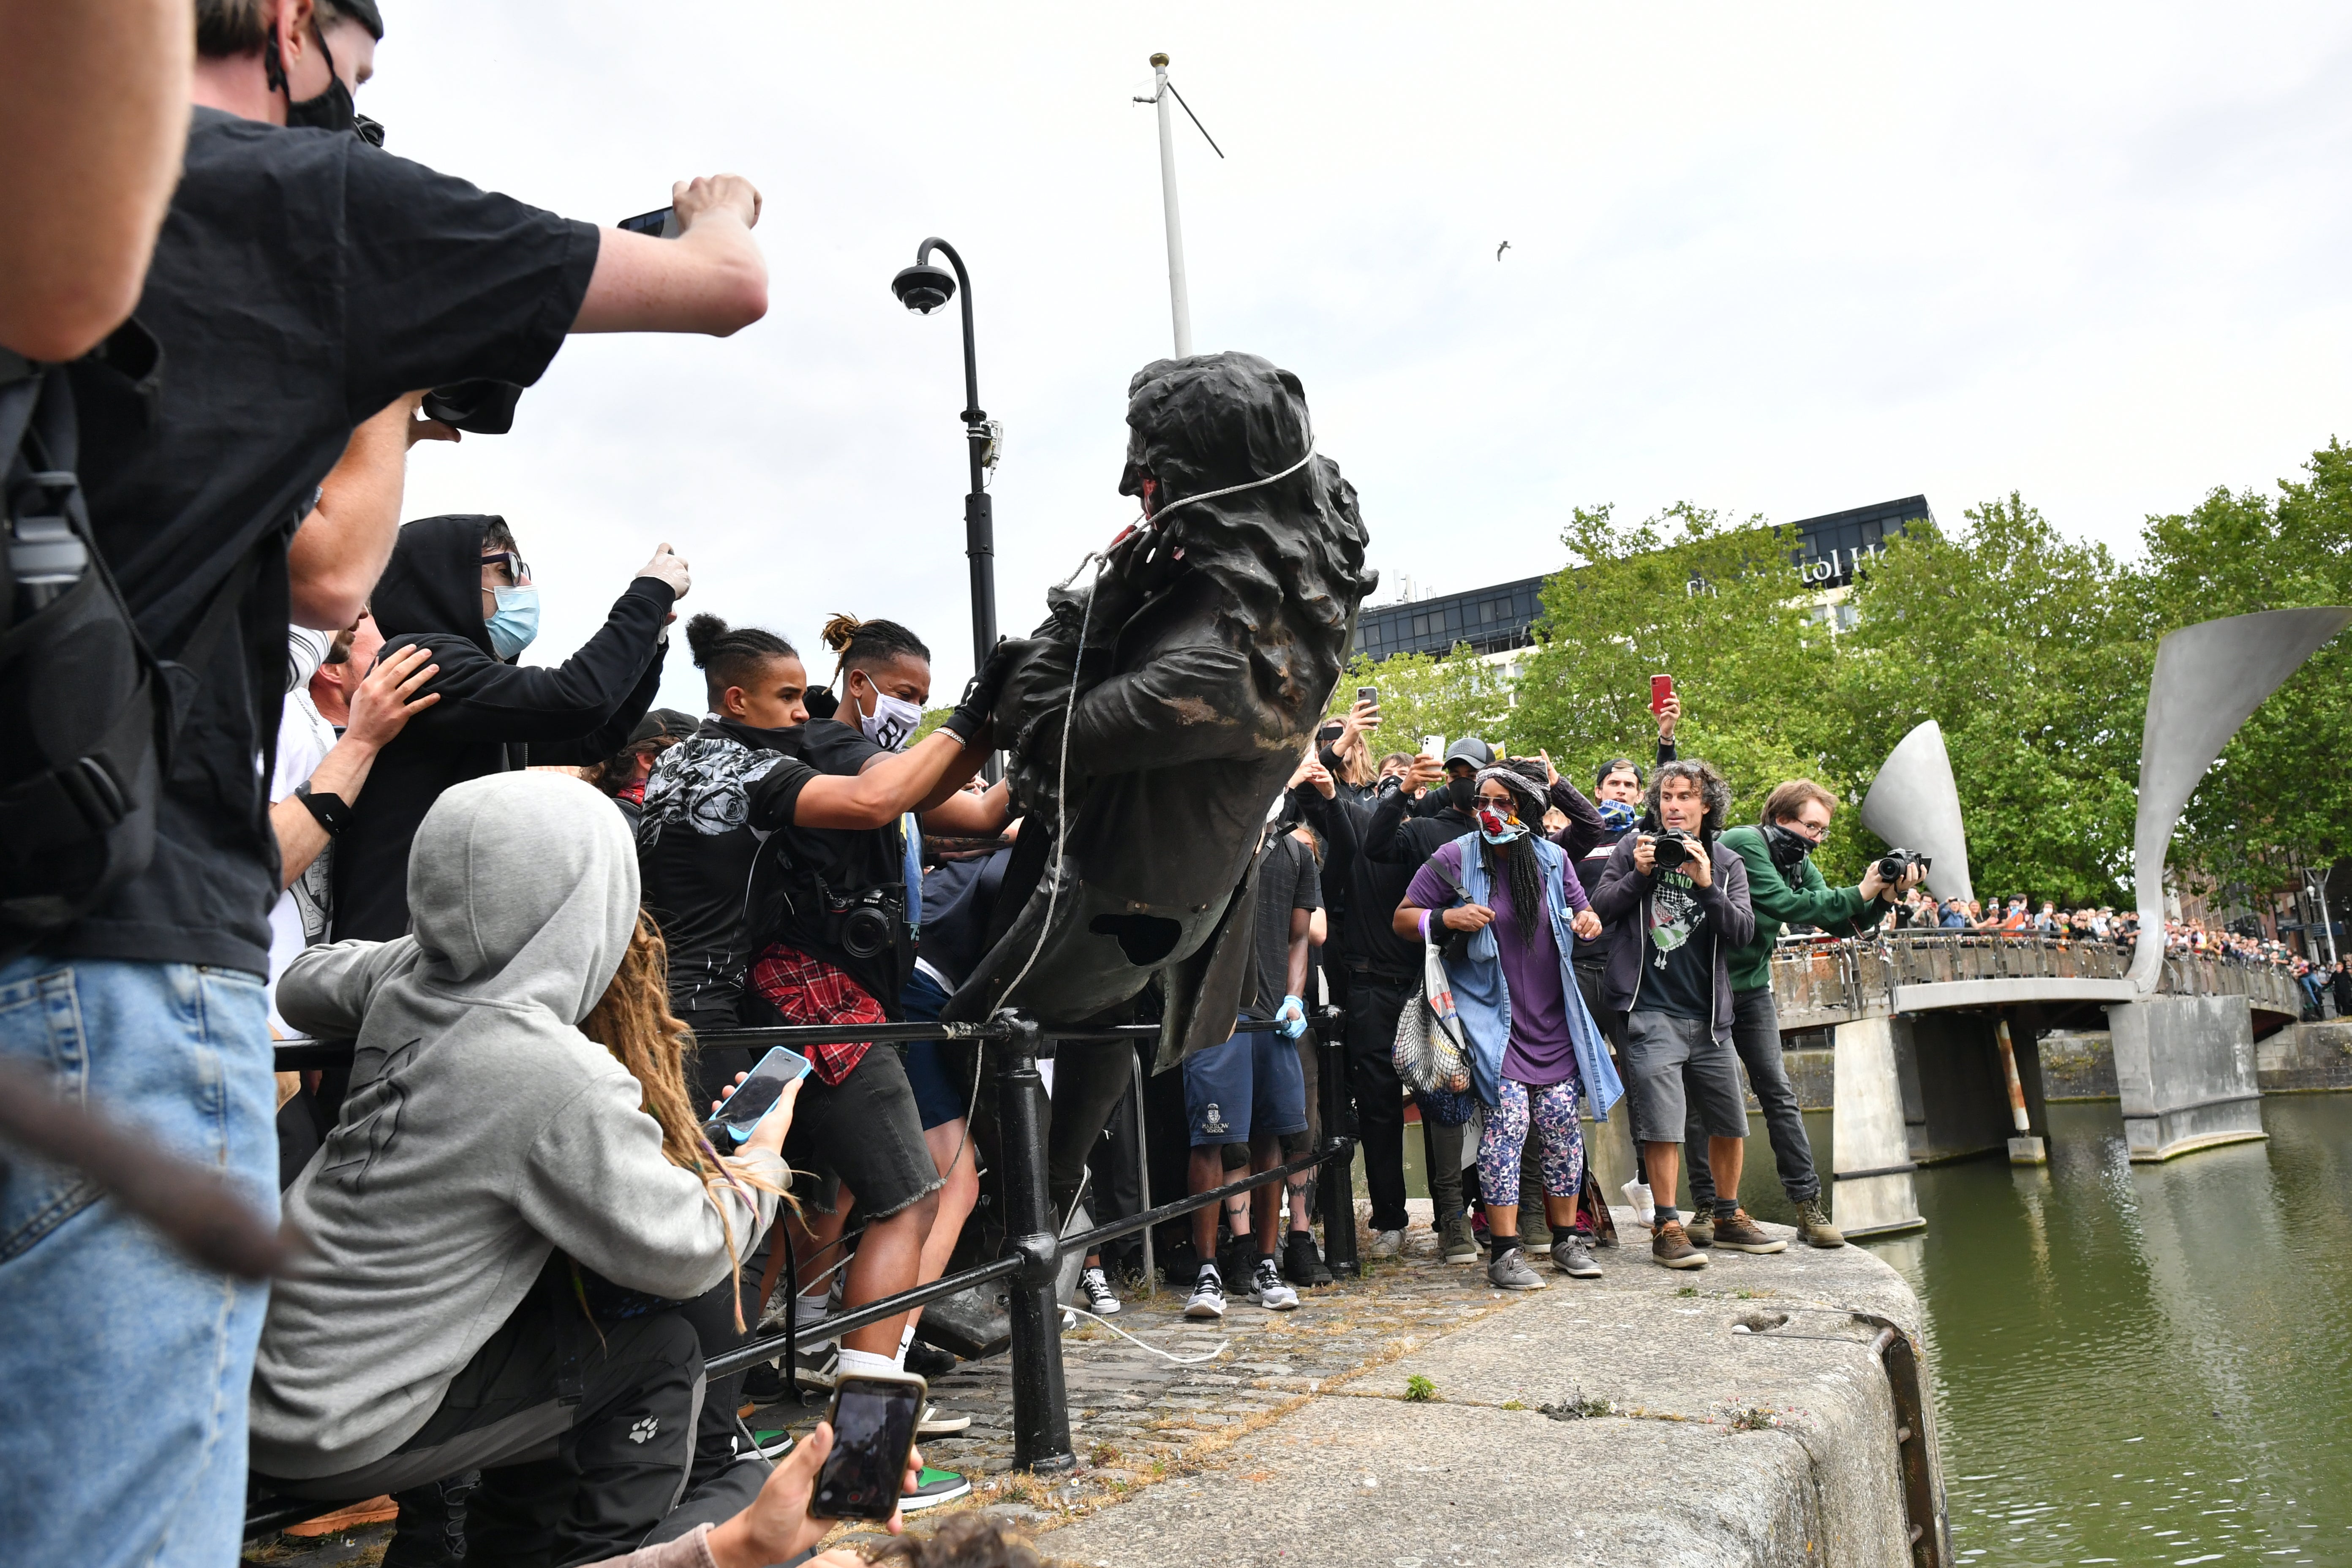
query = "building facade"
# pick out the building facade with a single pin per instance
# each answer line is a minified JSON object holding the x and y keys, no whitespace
{"x":1497,"y":620}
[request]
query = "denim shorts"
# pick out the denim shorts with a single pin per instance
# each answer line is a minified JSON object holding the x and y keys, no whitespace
{"x":942,"y":1094}
{"x":1250,"y":1086}
{"x":863,"y":1133}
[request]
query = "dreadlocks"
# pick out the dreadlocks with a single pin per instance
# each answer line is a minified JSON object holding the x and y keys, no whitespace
{"x":1515,"y":863}
{"x":633,"y":1022}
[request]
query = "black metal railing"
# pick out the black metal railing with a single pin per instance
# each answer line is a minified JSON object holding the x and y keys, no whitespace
{"x":1034,"y":1251}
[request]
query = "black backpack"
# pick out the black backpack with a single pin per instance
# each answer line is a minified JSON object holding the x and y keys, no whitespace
{"x":87,"y":711}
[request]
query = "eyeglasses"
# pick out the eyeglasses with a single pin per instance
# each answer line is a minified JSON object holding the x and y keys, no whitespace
{"x":516,"y":567}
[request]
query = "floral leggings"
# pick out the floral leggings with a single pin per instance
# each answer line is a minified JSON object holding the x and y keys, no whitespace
{"x":1552,"y":1109}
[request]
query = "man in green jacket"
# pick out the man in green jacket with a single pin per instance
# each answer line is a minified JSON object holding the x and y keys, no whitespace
{"x":1786,"y":888}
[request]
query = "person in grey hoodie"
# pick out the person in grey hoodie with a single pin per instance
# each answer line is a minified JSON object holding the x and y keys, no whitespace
{"x":433,"y":1323}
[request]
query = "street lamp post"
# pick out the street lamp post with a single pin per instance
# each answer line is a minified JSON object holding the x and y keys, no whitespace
{"x":923,"y":288}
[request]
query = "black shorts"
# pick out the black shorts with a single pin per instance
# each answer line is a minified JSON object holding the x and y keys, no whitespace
{"x":863,"y":1133}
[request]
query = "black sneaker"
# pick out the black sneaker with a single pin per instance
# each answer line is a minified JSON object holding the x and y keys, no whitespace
{"x":763,"y":1384}
{"x":928,"y":1361}
{"x":1301,"y":1264}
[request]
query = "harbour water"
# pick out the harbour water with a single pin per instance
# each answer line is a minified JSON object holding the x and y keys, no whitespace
{"x":2146,"y":1364}
{"x":2134,"y":1364}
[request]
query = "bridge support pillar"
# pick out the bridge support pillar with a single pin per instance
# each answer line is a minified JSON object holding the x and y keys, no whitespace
{"x":2185,"y":1069}
{"x":1873,"y":1194}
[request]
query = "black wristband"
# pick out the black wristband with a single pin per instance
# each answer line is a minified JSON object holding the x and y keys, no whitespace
{"x":333,"y":812}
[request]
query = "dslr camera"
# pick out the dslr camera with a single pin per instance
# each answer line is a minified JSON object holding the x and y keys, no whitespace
{"x":864,"y":923}
{"x":1895,"y":864}
{"x":1672,"y":849}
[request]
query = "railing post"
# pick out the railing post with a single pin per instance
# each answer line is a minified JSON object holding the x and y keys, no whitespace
{"x":1041,"y":1410}
{"x":1335,"y":1182}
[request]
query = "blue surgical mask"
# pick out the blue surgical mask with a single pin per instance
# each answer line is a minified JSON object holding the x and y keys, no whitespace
{"x":1617,"y":816}
{"x":515,"y":623}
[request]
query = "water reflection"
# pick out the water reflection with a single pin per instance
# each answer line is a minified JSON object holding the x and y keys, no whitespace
{"x":2146,"y":1364}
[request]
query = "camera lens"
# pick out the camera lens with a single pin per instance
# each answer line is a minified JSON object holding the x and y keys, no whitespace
{"x":864,"y":931}
{"x":1670,"y":851}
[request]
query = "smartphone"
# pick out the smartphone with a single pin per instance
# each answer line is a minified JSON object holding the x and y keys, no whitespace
{"x":1661,"y":688}
{"x":741,"y":1113}
{"x":1369,"y":694}
{"x":662,"y":225}
{"x":873,"y":1429}
{"x":1434,"y":746}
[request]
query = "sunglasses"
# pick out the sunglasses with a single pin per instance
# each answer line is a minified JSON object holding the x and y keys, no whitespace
{"x":517,"y":569}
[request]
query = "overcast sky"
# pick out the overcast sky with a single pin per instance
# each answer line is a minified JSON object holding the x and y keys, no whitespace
{"x":1772,"y":259}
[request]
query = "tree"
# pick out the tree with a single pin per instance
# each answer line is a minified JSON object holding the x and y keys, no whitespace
{"x":1451,"y":694}
{"x":2030,"y":650}
{"x":2280,"y":796}
{"x":1718,"y":607}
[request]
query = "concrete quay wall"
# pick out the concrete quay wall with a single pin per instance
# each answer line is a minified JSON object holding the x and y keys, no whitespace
{"x":1649,"y":1416}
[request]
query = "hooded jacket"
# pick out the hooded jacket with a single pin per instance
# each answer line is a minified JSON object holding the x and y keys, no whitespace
{"x":1622,"y":902}
{"x":483,"y":1131}
{"x":493,"y":717}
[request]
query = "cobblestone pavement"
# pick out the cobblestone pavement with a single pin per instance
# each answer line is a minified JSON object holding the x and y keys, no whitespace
{"x":1137,"y":1417}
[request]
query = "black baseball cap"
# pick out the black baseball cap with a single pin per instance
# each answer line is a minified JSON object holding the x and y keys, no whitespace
{"x":662,"y":724}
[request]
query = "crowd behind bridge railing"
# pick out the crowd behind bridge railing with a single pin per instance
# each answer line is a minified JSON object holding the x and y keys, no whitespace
{"x":2324,"y":985}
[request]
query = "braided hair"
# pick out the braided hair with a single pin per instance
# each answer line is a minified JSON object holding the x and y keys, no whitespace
{"x":867,"y":645}
{"x":1515,"y":863}
{"x":731,"y":656}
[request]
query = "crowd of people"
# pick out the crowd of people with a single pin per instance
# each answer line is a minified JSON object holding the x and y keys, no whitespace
{"x":1923,"y":911}
{"x":328,"y":801}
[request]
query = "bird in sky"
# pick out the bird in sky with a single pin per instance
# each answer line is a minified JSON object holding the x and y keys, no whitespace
{"x":1500,"y":249}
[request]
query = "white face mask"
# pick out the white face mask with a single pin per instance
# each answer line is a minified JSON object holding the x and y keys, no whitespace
{"x":893,"y":719}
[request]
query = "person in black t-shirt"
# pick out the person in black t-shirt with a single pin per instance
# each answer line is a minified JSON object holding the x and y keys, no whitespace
{"x":1676,"y":918}
{"x":303,"y":281}
{"x":811,"y":966}
{"x":459,"y":586}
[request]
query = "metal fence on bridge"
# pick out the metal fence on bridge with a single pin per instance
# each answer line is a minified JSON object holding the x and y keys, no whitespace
{"x":1821,"y":981}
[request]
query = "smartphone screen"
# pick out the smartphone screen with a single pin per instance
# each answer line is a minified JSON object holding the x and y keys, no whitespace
{"x":756,"y":1095}
{"x":1661,"y":688}
{"x":873,"y":1428}
{"x":662,"y":225}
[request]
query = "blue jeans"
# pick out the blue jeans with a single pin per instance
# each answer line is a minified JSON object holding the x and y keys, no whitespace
{"x":123,"y":1367}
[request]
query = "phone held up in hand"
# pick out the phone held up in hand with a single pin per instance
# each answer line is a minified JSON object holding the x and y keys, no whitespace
{"x":1370,"y":694}
{"x":873,"y":1421}
{"x":1661,"y":688}
{"x":661,"y":225}
{"x":740,"y":1113}
{"x":1434,"y":746}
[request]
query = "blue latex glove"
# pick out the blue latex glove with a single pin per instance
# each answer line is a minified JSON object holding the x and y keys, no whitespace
{"x":1292,"y":1016}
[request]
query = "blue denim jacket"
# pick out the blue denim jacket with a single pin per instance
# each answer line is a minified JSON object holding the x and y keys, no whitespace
{"x":1483,"y":1001}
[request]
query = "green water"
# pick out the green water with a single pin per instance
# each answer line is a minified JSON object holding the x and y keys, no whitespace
{"x":2137,"y":1363}
{"x":2146,"y":1364}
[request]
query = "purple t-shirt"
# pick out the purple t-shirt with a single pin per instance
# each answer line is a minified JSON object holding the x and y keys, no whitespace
{"x":1540,"y":1051}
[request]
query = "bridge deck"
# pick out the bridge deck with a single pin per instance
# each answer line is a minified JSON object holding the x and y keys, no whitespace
{"x":1817,"y":982}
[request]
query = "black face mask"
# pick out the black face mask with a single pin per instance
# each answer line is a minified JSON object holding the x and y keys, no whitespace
{"x":1786,"y":848}
{"x":1462,"y":794}
{"x":333,"y":109}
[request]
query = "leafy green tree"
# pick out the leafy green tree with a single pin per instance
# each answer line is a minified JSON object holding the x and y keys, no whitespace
{"x":2031,"y":650}
{"x":2280,"y":796}
{"x":1714,"y":605}
{"x":1451,"y":694}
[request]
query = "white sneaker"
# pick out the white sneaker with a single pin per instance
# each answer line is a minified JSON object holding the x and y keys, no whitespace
{"x":1208,"y":1294}
{"x":1266,"y":1286}
{"x":934,"y":1425}
{"x":1100,"y":1299}
{"x":1386,"y":1244}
